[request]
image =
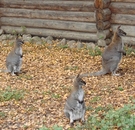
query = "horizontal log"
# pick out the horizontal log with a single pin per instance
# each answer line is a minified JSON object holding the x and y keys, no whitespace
{"x":103,"y":25}
{"x":45,"y":14}
{"x":130,"y":30}
{"x":68,"y":0}
{"x":123,"y":19}
{"x":129,"y":40}
{"x":102,"y":4}
{"x":132,"y":1}
{"x":103,"y":14}
{"x":52,"y":24}
{"x":49,"y":5}
{"x":122,"y":8}
{"x":54,"y":33}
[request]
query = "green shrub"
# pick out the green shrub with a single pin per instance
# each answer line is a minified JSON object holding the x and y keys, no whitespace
{"x":122,"y":119}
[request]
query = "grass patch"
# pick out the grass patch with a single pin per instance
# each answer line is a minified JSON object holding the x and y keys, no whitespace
{"x":129,"y":51}
{"x":9,"y":94}
{"x":95,"y":52}
{"x":95,"y":99}
{"x":120,"y":88}
{"x":55,"y":127}
{"x":71,"y":68}
{"x":2,"y":115}
{"x":56,"y":96}
{"x":63,"y":46}
{"x":53,"y":95}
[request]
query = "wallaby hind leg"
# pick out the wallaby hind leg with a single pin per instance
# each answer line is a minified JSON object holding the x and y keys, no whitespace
{"x":13,"y":71}
{"x":69,"y":115}
{"x":113,"y":65}
{"x":9,"y":68}
{"x":115,"y":74}
{"x":19,"y":67}
{"x":71,"y":119}
{"x":83,"y":117}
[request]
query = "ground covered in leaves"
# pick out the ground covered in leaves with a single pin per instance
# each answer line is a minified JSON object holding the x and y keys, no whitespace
{"x":37,"y":96}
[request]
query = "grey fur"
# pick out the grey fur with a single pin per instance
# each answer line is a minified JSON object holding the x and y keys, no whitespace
{"x":14,"y":58}
{"x":75,"y":106}
{"x":111,"y":56}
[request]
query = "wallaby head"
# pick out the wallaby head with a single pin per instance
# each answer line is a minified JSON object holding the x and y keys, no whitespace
{"x":79,"y":82}
{"x":120,"y":32}
{"x":19,"y":42}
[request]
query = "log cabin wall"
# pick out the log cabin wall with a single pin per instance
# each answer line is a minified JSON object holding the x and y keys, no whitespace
{"x":73,"y":19}
{"x":123,"y":13}
{"x":103,"y":23}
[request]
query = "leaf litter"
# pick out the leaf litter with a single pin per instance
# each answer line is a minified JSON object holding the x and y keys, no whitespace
{"x":45,"y":87}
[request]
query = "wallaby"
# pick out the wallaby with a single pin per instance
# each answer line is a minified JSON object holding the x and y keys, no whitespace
{"x":14,"y":58}
{"x":75,"y":106}
{"x":111,"y":55}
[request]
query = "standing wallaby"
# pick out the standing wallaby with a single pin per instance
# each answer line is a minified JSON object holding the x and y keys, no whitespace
{"x":75,"y":106}
{"x":111,"y":55}
{"x":14,"y":58}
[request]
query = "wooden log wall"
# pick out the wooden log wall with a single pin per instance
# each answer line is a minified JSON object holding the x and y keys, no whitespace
{"x":123,"y":13}
{"x":103,"y":16}
{"x":73,"y":19}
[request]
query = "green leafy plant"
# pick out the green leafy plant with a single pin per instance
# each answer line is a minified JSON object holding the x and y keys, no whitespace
{"x":2,"y":115}
{"x":101,"y":37}
{"x":55,"y":95}
{"x":44,"y":128}
{"x":95,"y":99}
{"x":95,"y":52}
{"x":122,"y":119}
{"x":63,"y":46}
{"x":9,"y":94}
{"x":129,"y":51}
{"x":23,"y":29}
{"x":55,"y":127}
{"x":71,"y":68}
{"x":120,"y":88}
{"x":14,"y":32}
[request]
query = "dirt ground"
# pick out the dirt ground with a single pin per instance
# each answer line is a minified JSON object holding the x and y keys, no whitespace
{"x":45,"y":88}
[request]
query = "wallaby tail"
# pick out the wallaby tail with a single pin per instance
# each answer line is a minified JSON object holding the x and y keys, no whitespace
{"x":3,"y":71}
{"x":98,"y":73}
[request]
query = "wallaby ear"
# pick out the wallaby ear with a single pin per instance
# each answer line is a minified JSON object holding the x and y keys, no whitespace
{"x":78,"y":76}
{"x":119,"y":27}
